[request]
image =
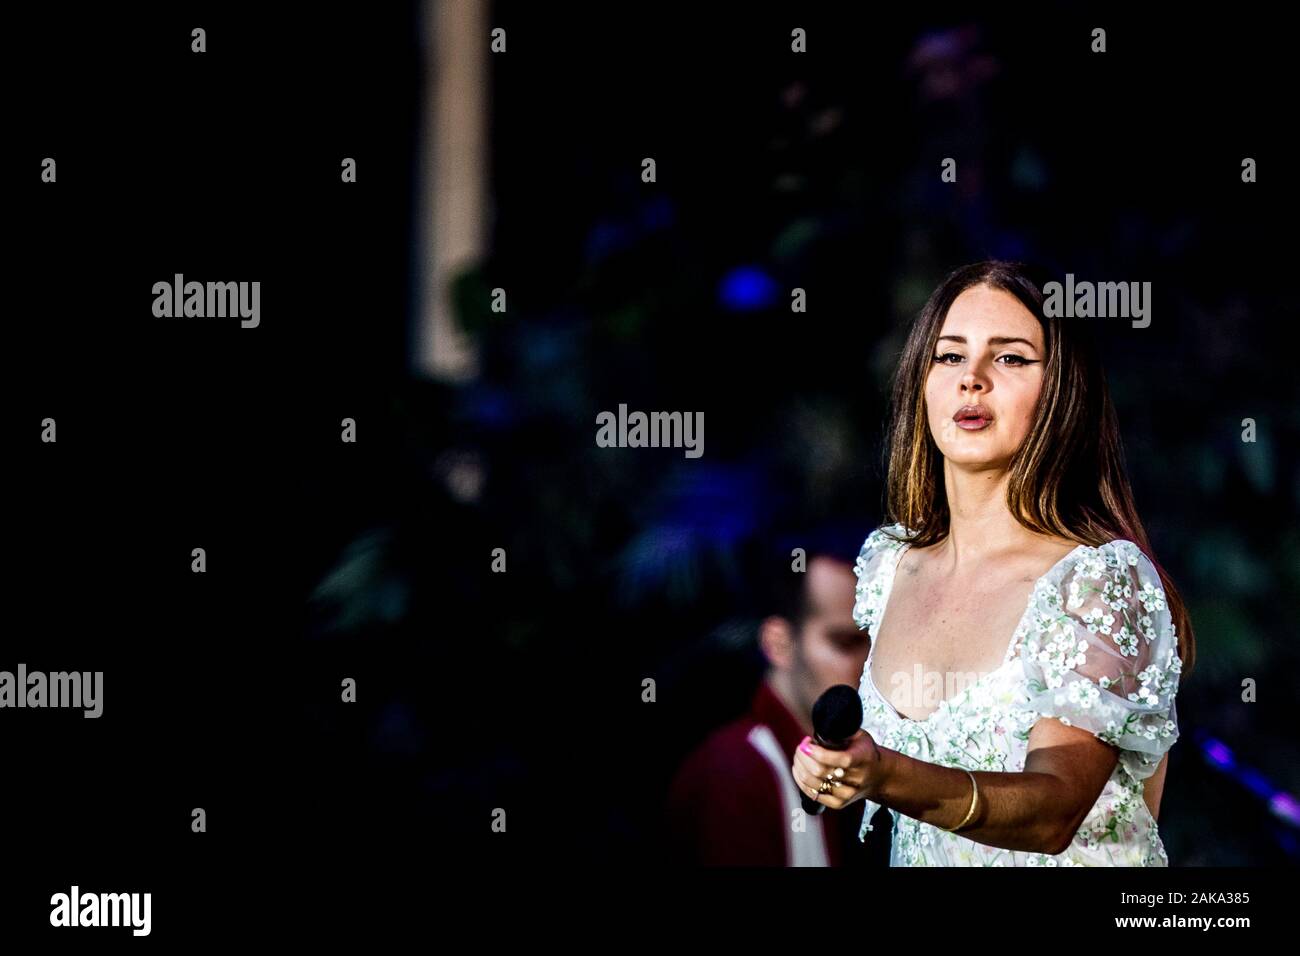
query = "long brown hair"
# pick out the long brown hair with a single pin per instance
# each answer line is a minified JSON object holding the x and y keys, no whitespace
{"x":1067,"y":477}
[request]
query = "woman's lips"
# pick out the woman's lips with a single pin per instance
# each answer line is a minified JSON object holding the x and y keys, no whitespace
{"x":972,"y":417}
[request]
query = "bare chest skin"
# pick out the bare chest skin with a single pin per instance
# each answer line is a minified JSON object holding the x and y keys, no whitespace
{"x":954,"y":628}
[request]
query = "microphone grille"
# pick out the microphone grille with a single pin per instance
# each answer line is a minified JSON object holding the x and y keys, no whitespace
{"x":837,"y":715}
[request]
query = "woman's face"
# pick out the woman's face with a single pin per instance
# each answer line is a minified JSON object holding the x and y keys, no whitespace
{"x":990,"y":354}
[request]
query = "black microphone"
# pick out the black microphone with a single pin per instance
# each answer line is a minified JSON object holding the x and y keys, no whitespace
{"x":836,"y":717}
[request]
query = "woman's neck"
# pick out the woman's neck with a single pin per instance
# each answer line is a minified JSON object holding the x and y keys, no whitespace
{"x":979,"y":522}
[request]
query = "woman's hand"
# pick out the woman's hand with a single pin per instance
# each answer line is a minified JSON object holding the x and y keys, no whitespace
{"x":855,"y":772}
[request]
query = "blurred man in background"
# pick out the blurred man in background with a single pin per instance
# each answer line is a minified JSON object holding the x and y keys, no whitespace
{"x":732,"y":800}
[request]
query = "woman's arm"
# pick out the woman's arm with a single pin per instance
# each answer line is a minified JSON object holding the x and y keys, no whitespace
{"x":1038,"y":809}
{"x":1154,"y":786}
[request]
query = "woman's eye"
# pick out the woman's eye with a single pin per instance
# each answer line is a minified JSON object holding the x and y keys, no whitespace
{"x":1015,"y":360}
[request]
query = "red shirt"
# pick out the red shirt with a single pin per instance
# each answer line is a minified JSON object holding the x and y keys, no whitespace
{"x":729,"y":804}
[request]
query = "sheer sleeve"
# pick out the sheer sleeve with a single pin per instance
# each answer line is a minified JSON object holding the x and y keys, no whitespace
{"x":1100,"y":652}
{"x":868,"y":607}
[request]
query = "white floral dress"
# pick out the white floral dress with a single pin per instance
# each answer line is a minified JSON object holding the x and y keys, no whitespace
{"x":1095,"y":649}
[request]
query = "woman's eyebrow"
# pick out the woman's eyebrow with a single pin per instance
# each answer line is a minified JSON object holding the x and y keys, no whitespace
{"x":993,"y":340}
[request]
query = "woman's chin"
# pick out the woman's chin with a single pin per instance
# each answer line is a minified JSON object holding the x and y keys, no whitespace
{"x":976,"y":459}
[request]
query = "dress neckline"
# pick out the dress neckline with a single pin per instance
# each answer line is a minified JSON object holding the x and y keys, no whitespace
{"x":887,"y":591}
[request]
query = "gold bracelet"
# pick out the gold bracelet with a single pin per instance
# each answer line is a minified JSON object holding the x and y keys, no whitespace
{"x":974,"y":798}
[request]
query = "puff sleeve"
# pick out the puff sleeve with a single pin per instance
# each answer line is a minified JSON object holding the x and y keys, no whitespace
{"x":868,"y":607}
{"x":869,"y":593}
{"x":1099,"y":652}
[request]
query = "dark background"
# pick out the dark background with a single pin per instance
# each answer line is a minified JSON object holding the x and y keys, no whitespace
{"x":523,"y":690}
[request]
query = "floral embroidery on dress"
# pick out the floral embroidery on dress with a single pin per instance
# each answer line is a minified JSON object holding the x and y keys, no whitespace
{"x":1095,"y":648}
